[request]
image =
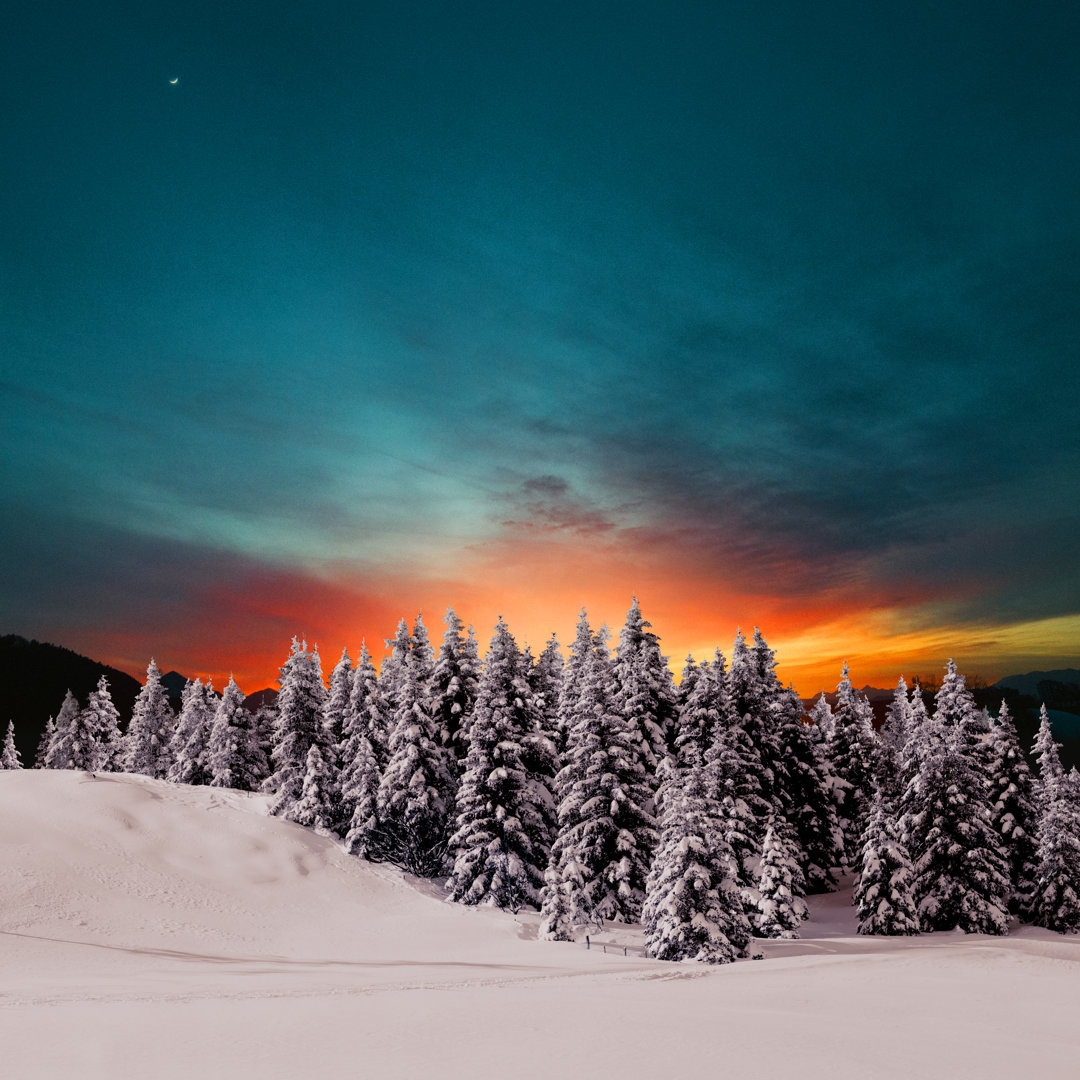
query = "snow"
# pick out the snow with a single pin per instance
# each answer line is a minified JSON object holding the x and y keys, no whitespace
{"x":152,"y":929}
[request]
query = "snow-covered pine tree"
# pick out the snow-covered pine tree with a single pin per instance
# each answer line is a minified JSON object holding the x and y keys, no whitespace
{"x":235,"y":755}
{"x":367,"y":709}
{"x":645,"y":695}
{"x":885,"y":890}
{"x":418,"y":785}
{"x":360,"y":797}
{"x":961,"y":876}
{"x":299,"y":727}
{"x":455,"y":681}
{"x":581,"y":649}
{"x":316,"y":807}
{"x":687,"y":679}
{"x":336,"y":704}
{"x":501,"y":843}
{"x":821,"y":719}
{"x":188,"y":748}
{"x":734,"y":767}
{"x":806,"y":792}
{"x":605,"y":827}
{"x":781,"y":887}
{"x":84,"y":742}
{"x":364,"y":729}
{"x":111,"y":744}
{"x":899,"y":718}
{"x":547,"y":677}
{"x":702,"y":712}
{"x":853,"y":752}
{"x":146,"y":745}
{"x":891,"y":740}
{"x":44,"y":742}
{"x":693,"y":905}
{"x":393,"y":675}
{"x":58,"y":755}
{"x":1045,"y":752}
{"x":752,"y":686}
{"x":9,"y":755}
{"x":564,"y":905}
{"x":1055,"y":903}
{"x":1013,"y":812}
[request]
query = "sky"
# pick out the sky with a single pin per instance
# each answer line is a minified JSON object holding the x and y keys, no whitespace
{"x":313,"y":317}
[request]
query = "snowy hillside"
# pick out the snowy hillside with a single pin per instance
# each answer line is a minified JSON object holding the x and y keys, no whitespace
{"x":158,"y":930}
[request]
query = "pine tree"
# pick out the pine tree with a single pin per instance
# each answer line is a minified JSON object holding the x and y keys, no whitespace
{"x":605,"y":827}
{"x":1056,"y":899}
{"x":693,"y":906}
{"x":188,"y":748}
{"x":687,"y":681}
{"x":44,"y":743}
{"x":364,"y":730}
{"x":9,"y":756}
{"x":564,"y":910}
{"x":106,"y":720}
{"x":821,"y":717}
{"x":581,"y":649}
{"x":961,"y":876}
{"x":899,"y":718}
{"x":59,"y":754}
{"x":894,"y":733}
{"x":455,"y":681}
{"x":885,"y":891}
{"x":1013,"y":815}
{"x":336,"y":704}
{"x":84,"y":741}
{"x":752,"y":687}
{"x":367,"y":710}
{"x":299,"y":727}
{"x":734,"y":767}
{"x":806,"y":794}
{"x":417,"y":788}
{"x":315,"y":808}
{"x":781,"y":907}
{"x":501,"y":840}
{"x":360,"y":797}
{"x":645,"y":695}
{"x":547,"y":677}
{"x":146,"y":746}
{"x":853,"y":753}
{"x":702,"y":713}
{"x":235,"y":755}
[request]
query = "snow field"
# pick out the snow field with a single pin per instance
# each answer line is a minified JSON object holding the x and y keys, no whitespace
{"x":158,"y":930}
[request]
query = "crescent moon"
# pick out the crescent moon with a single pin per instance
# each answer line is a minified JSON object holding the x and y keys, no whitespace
{"x":173,"y":82}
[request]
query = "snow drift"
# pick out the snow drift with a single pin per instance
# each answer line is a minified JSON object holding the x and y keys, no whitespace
{"x":160,"y":930}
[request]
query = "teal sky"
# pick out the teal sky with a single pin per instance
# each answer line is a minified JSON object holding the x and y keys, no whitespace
{"x":765,"y":312}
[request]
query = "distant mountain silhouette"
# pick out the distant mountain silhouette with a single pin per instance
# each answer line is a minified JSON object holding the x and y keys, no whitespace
{"x":254,"y":702}
{"x":33,"y":679}
{"x":1028,"y":684}
{"x":174,"y":684}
